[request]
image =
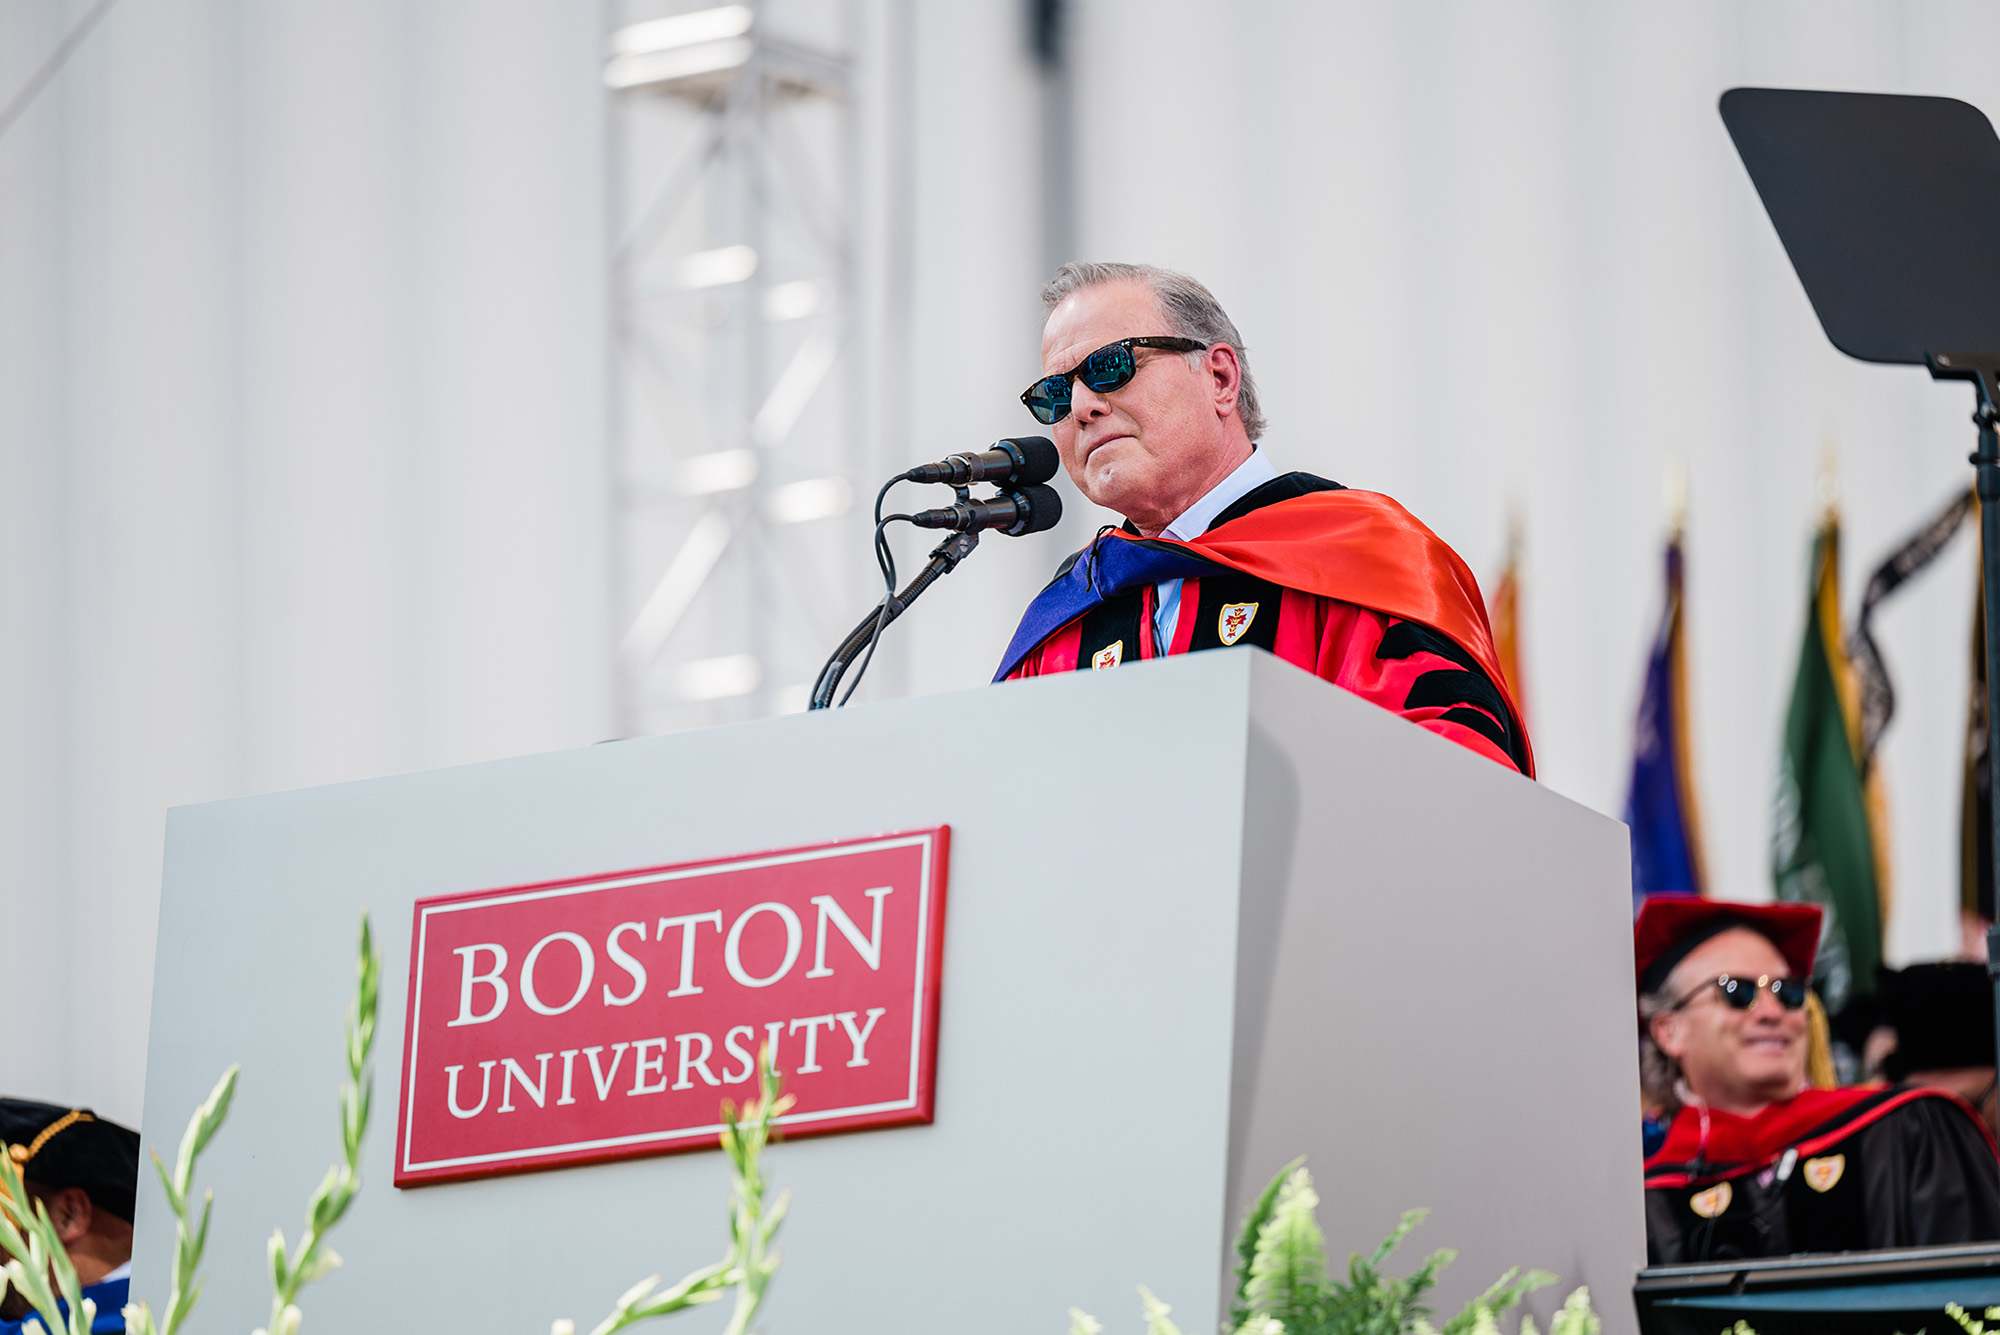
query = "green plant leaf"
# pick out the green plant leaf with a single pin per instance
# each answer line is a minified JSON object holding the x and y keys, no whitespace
{"x":1156,"y":1314}
{"x":1261,"y":1325}
{"x":751,"y":1261}
{"x":1576,"y":1317}
{"x":1246,"y":1239}
{"x":1288,"y":1269}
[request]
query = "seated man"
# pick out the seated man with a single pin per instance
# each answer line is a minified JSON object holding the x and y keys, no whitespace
{"x":86,"y":1171}
{"x":1756,"y":1163}
{"x":1939,"y":1022}
{"x":1156,"y":417}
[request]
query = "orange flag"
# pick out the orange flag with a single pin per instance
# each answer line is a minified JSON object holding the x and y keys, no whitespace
{"x":1504,"y":611}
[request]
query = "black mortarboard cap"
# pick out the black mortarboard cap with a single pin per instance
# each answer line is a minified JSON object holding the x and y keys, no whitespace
{"x":1942,"y":1014}
{"x":59,"y":1147}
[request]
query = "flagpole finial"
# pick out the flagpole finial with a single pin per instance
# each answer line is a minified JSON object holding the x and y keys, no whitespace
{"x":1829,"y":477}
{"x":1675,"y":496}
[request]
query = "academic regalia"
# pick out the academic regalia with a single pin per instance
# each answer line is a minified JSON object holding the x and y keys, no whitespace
{"x":57,"y":1148}
{"x":1345,"y":584}
{"x":1827,"y":1170}
{"x":110,"y":1296}
{"x":1942,"y":1014}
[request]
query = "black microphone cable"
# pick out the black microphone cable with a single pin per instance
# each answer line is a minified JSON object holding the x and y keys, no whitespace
{"x":1032,"y":508}
{"x":885,"y":560}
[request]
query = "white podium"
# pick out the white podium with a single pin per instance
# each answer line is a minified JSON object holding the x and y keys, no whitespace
{"x":1205,"y":915}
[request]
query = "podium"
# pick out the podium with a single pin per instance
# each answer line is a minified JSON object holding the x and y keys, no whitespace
{"x":1205,"y":914}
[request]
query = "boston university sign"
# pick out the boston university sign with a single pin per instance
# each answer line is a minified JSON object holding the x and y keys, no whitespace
{"x":601,"y":1018}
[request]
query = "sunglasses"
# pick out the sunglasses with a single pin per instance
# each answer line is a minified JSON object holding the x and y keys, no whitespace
{"x":1741,"y":993}
{"x":1110,"y":367}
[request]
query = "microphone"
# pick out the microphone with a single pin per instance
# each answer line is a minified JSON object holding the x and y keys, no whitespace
{"x":1021,"y":461}
{"x":1029,"y":510}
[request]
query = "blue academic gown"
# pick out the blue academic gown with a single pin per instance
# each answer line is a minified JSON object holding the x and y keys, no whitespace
{"x":110,"y":1297}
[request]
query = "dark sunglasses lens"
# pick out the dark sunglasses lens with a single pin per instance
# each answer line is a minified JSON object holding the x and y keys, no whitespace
{"x":1048,"y":400}
{"x":1791,"y":993}
{"x":1108,"y":368}
{"x":1738,"y":992}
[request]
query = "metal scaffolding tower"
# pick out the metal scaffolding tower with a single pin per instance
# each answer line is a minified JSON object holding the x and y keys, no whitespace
{"x":733,"y":430}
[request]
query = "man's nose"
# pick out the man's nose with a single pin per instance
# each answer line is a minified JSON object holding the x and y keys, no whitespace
{"x":1766,"y":1006}
{"x":1086,"y":402}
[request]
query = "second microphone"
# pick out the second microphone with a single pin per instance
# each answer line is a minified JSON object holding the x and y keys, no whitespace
{"x":1033,"y":509}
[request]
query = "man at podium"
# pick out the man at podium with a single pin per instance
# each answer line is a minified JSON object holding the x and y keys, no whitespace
{"x":1756,"y":1161}
{"x":1156,"y":417}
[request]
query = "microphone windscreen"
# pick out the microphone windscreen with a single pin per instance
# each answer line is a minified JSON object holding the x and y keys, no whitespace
{"x":1044,"y":506}
{"x":1039,"y":459}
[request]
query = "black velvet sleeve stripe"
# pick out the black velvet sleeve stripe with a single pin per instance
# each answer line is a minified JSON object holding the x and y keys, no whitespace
{"x":1470,"y":687}
{"x":1119,"y":620}
{"x":1482,"y":724}
{"x":1413,"y":637}
{"x":1448,"y":686}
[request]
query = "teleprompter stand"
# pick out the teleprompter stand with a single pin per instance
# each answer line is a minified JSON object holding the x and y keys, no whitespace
{"x":1889,"y":208}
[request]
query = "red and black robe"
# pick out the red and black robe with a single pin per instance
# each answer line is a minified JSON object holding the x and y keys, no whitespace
{"x":1829,"y":1170}
{"x":1345,"y":584}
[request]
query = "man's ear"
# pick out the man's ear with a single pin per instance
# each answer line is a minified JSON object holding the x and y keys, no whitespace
{"x":1225,"y":371}
{"x":70,"y":1211}
{"x":1666,"y":1030}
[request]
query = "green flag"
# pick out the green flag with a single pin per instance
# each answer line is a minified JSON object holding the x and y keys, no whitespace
{"x":1823,"y":844}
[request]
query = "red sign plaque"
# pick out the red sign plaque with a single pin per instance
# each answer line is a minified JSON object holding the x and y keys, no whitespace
{"x":607,"y":1017}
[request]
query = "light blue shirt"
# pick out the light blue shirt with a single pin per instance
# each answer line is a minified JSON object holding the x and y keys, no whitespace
{"x":1251,"y":474}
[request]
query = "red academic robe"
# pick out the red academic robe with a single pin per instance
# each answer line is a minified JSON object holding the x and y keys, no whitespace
{"x":1345,"y":584}
{"x":1827,"y":1170}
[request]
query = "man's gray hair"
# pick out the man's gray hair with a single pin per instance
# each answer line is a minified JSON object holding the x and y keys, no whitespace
{"x":1190,"y":308}
{"x":1659,"y":1074}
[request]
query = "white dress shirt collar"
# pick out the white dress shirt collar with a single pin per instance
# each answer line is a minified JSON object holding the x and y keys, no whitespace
{"x":1251,"y":474}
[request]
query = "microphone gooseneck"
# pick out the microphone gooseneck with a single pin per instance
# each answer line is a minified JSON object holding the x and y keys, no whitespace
{"x":1019,"y":467}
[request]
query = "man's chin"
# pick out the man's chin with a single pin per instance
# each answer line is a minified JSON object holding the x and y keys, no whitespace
{"x":1774,"y":1085}
{"x":1117,"y":490}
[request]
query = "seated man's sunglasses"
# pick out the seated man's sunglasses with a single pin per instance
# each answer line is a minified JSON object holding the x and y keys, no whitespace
{"x":1110,"y":367}
{"x":1741,"y":993}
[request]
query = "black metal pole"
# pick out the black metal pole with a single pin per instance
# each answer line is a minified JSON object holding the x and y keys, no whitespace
{"x":1986,"y":466}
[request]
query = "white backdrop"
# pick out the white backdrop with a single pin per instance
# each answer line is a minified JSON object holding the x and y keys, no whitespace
{"x":300,"y":472}
{"x":302,"y":378}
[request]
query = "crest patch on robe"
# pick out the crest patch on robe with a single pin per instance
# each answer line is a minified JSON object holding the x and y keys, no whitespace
{"x":1708,"y":1204}
{"x":1235,"y":618}
{"x":1822,"y":1173}
{"x":1110,"y":656}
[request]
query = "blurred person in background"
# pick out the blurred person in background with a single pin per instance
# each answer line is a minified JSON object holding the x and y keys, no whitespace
{"x":85,"y":1171}
{"x":1155,"y":415}
{"x":1937,"y":1029}
{"x":1757,"y":1162}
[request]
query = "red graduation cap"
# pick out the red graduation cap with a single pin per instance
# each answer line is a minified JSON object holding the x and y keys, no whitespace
{"x":1669,"y":927}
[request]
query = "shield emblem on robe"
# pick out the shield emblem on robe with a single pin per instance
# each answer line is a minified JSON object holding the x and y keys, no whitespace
{"x":1708,"y":1204}
{"x":1110,"y":656}
{"x":1234,"y":620}
{"x":1822,"y":1173}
